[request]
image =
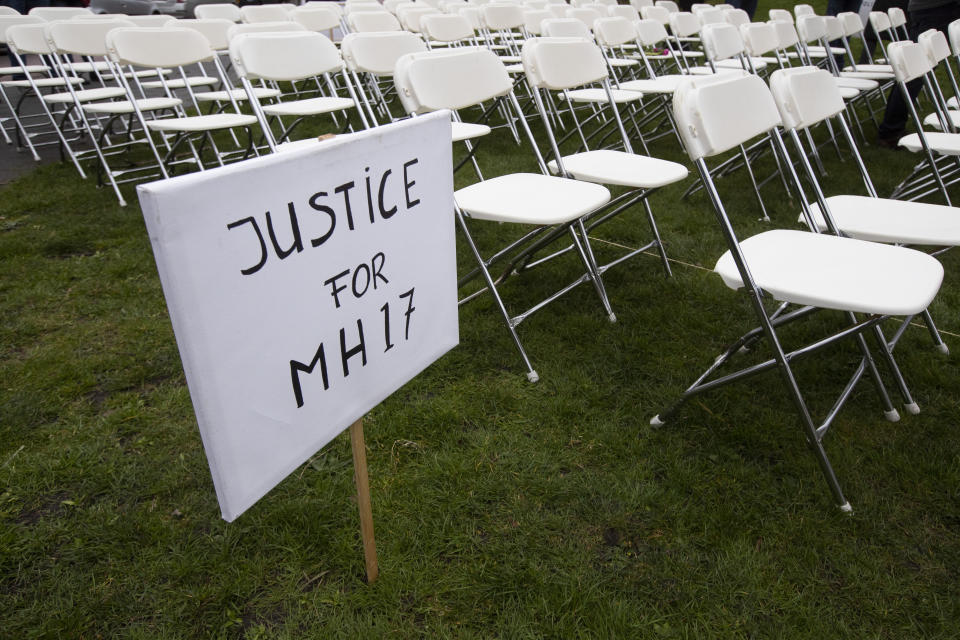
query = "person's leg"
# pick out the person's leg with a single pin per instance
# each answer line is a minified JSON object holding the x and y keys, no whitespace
{"x":895,"y":117}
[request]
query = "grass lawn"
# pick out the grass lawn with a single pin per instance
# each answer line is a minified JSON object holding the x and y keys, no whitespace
{"x":502,"y":508}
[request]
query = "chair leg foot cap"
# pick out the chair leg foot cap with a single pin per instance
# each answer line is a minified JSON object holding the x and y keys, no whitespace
{"x":846,"y":508}
{"x":655,"y":421}
{"x":612,"y":317}
{"x":893,"y":415}
{"x":533,"y":376}
{"x":944,"y":349}
{"x":913,"y":408}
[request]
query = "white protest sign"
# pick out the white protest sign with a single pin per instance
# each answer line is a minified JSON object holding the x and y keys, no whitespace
{"x":304,"y":288}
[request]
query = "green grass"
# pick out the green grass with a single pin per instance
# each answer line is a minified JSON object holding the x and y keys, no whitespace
{"x":502,"y":508}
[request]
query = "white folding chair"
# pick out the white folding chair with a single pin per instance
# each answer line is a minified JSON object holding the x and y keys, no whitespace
{"x":806,"y":97}
{"x":293,"y":57}
{"x":804,"y":272}
{"x":552,"y":206}
{"x":568,"y":64}
{"x":167,"y":47}
{"x":370,"y":58}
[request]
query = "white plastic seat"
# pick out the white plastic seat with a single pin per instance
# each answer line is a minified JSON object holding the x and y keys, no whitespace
{"x":533,"y":199}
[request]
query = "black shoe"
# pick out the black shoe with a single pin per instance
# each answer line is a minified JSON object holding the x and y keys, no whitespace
{"x":889,"y":142}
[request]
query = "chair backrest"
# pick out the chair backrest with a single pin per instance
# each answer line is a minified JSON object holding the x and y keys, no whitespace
{"x":759,"y":38}
{"x":391,"y":5}
{"x":353,"y":7}
{"x":786,"y":33}
{"x":712,"y":15}
{"x":659,"y":14}
{"x":684,"y":24}
{"x":834,"y":27}
{"x":377,"y":53}
{"x":934,"y":42}
{"x":446,"y":27}
{"x":28,"y":39}
{"x":640,"y":4}
{"x":721,"y":41}
{"x":82,"y":37}
{"x":614,"y":32}
{"x":451,"y":79}
{"x":803,"y":10}
{"x":880,"y":21}
{"x":586,"y":15}
{"x":7,"y":21}
{"x":284,"y":56}
{"x":371,"y":21}
{"x":8,"y":11}
{"x":697,"y":7}
{"x":562,"y":63}
{"x":623,"y":11}
{"x":224,"y":11}
{"x":805,"y":96}
{"x":953,"y":33}
{"x":852,"y":24}
{"x":811,"y":28}
{"x":565,"y":28}
{"x":716,"y":113}
{"x":908,"y":60}
{"x":502,"y":15}
{"x":158,"y":47}
{"x":58,"y":13}
{"x":409,"y":17}
{"x":650,"y":32}
{"x":669,"y":5}
{"x":736,"y":17}
{"x":317,"y":18}
{"x":215,"y":30}
{"x":454,"y":6}
{"x":780,"y":15}
{"x":532,"y":19}
{"x":254,"y":13}
{"x":264,"y":27}
{"x":154,"y":20}
{"x":897,"y":17}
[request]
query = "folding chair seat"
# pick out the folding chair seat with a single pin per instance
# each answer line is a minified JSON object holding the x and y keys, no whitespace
{"x":293,"y":57}
{"x":253,"y":13}
{"x":215,"y":31}
{"x":167,"y":47}
{"x":865,"y":282}
{"x":806,"y":97}
{"x":372,"y":21}
{"x":563,"y":64}
{"x":371,"y":58}
{"x":229,"y":12}
{"x":552,"y":206}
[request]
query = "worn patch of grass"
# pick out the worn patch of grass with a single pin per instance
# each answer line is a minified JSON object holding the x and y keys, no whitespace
{"x":502,"y":509}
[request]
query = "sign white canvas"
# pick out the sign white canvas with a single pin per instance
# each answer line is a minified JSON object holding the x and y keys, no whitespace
{"x":304,"y":288}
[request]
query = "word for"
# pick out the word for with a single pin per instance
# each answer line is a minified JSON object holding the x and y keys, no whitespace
{"x":363,"y":277}
{"x":357,"y":347}
{"x":338,"y":205}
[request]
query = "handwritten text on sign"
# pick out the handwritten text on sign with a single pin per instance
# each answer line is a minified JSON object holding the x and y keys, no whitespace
{"x":304,"y":288}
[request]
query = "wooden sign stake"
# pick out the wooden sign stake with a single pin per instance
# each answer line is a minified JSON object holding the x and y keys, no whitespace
{"x":363,"y":500}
